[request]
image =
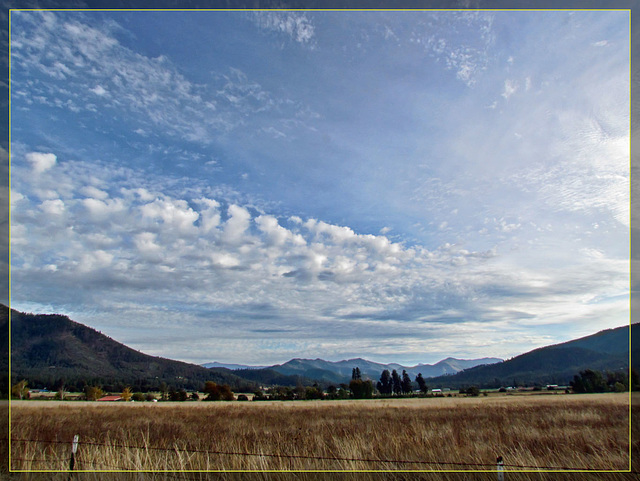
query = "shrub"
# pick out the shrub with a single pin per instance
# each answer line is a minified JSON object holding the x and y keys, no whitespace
{"x":472,"y":391}
{"x":138,"y":397}
{"x":619,"y":387}
{"x":313,"y":393}
{"x":242,"y":397}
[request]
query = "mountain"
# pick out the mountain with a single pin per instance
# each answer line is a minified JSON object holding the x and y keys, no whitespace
{"x":52,"y":349}
{"x":606,"y":350}
{"x":231,"y":366}
{"x":340,"y":372}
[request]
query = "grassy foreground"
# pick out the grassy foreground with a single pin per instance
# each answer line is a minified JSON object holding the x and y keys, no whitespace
{"x":466,"y":434}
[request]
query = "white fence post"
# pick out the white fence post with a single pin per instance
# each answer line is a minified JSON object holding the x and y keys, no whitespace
{"x":74,"y":450}
{"x":500,"y":468}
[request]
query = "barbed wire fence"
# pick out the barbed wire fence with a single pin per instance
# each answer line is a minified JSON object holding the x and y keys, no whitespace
{"x":72,"y":456}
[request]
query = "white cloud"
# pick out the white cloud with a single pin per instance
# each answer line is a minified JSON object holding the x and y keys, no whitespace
{"x":236,"y":225}
{"x":510,"y":88}
{"x":296,"y":25}
{"x":99,"y":90}
{"x":41,"y":162}
{"x":94,"y":192}
{"x":146,"y":243}
{"x":174,"y":214}
{"x":101,"y":210}
{"x":311,"y":275}
{"x":53,"y":207}
{"x":152,"y":90}
{"x":277,"y":234}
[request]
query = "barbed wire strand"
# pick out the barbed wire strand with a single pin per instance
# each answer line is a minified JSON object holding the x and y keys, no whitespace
{"x":319,"y":458}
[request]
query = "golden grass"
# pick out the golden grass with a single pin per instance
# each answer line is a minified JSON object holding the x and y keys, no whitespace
{"x":563,"y":431}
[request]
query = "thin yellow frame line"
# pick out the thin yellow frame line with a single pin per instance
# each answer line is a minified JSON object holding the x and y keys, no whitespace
{"x":318,"y":9}
{"x":628,"y":10}
{"x":9,"y":266}
{"x":529,"y":470}
{"x":630,"y":216}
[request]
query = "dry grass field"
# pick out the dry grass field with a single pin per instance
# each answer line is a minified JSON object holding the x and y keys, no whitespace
{"x":400,"y":437}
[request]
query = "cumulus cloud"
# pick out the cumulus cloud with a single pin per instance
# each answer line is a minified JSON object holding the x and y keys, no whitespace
{"x":308,"y":271}
{"x":53,"y":207}
{"x":41,"y":162}
{"x":236,"y":225}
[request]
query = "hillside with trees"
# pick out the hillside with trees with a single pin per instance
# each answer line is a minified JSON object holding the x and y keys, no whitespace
{"x":606,"y":350}
{"x":51,"y":350}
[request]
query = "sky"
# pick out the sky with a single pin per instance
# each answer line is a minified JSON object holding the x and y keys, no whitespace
{"x":250,"y":187}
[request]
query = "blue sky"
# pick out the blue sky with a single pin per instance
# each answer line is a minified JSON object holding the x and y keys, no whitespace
{"x":255,"y":186}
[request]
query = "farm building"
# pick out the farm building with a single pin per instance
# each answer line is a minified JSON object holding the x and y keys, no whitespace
{"x":110,"y":398}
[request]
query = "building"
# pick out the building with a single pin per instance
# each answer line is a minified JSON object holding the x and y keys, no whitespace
{"x":110,"y":398}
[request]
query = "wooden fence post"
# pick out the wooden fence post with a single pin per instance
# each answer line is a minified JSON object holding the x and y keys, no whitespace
{"x":74,"y":450}
{"x":500,"y":468}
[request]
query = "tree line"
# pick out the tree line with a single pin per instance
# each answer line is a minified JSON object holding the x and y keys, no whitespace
{"x":391,"y":384}
{"x":589,"y":381}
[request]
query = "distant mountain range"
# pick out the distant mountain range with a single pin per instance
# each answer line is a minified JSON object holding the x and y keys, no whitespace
{"x":51,"y":349}
{"x":232,"y":366}
{"x":340,"y":372}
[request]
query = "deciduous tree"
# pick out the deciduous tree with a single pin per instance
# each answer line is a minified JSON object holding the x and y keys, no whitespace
{"x":93,"y":393}
{"x":20,"y":390}
{"x":361,"y":389}
{"x":216,"y":392}
{"x":126,"y":394}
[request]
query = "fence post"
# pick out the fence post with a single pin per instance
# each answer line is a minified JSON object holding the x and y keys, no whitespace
{"x":74,"y":450}
{"x":500,"y":468}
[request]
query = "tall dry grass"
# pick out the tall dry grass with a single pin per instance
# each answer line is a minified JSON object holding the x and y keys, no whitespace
{"x":564,"y":431}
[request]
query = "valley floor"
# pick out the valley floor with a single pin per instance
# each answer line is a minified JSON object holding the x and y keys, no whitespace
{"x":455,"y":438}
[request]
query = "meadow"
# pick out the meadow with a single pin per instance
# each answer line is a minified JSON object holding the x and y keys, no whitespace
{"x":406,"y":438}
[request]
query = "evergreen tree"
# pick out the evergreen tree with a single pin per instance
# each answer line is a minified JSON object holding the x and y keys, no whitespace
{"x":356,"y":375}
{"x":385,"y":385}
{"x":406,"y":383}
{"x":397,"y":382}
{"x":422,"y":384}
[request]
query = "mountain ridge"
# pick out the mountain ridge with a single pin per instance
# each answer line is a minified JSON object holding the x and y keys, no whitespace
{"x":50,"y":348}
{"x":606,"y":350}
{"x":341,"y":371}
